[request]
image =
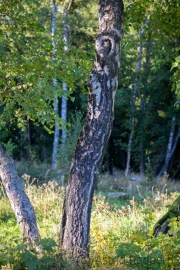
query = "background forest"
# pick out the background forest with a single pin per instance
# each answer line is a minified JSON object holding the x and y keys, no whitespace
{"x":46,"y":54}
{"x":146,"y":124}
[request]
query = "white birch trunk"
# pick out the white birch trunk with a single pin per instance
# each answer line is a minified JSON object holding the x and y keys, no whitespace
{"x":20,"y":203}
{"x":132,"y":130}
{"x":170,"y":153}
{"x":141,"y":148}
{"x":134,"y":88}
{"x":64,"y":112}
{"x":171,"y":136}
{"x":64,"y":85}
{"x":142,"y":98}
{"x":56,"y":129}
{"x":96,"y":131}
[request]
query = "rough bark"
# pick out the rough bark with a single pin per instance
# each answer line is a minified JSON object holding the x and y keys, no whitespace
{"x":20,"y":203}
{"x":93,"y":139}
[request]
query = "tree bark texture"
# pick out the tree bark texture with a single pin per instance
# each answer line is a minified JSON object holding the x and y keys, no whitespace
{"x":20,"y":203}
{"x":93,"y":139}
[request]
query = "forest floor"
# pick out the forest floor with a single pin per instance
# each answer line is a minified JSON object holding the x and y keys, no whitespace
{"x":121,"y":227}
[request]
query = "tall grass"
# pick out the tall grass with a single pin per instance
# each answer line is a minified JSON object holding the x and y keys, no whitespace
{"x":115,"y":222}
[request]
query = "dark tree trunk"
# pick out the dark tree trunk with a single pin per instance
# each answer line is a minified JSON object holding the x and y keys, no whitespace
{"x":20,"y":203}
{"x":93,"y":139}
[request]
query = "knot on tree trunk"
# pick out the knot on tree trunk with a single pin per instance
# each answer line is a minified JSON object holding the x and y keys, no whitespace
{"x":105,"y":46}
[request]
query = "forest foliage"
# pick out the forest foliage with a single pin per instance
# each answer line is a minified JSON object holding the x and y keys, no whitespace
{"x":28,"y":68}
{"x":27,"y":119}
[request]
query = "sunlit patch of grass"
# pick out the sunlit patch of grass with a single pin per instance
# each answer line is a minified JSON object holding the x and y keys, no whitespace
{"x":114,"y":221}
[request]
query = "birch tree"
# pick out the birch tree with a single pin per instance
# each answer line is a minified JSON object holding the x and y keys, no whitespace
{"x":93,"y":139}
{"x":20,"y":203}
{"x":135,"y":87}
{"x":172,"y":144}
{"x":56,"y":109}
{"x":64,"y":85}
{"x":132,"y":129}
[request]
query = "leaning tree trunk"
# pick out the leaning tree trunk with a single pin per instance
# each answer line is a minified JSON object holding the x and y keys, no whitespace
{"x":20,"y":203}
{"x":168,"y":158}
{"x":171,"y":137}
{"x":93,"y":139}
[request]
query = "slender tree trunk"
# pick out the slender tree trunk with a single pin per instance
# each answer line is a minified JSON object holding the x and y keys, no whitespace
{"x":170,"y":154}
{"x":170,"y":142}
{"x":134,"y":90}
{"x":142,"y":97}
{"x":64,"y":85}
{"x":28,"y":134}
{"x":20,"y":203}
{"x":56,"y":137}
{"x":132,"y":129}
{"x":93,"y":139}
{"x":138,"y":69}
{"x":56,"y":109}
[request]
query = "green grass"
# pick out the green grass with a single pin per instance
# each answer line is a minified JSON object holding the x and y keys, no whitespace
{"x":118,"y":226}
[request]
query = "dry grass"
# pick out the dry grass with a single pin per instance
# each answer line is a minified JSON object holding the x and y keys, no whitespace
{"x":113,"y":221}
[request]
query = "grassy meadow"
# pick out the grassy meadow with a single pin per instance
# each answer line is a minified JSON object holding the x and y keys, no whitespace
{"x":121,"y":228}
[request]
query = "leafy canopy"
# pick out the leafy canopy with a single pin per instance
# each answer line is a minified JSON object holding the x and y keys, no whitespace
{"x":28,"y":65}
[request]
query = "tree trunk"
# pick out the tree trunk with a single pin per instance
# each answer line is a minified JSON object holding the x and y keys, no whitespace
{"x":170,"y":142}
{"x":93,"y":139}
{"x":132,"y":129}
{"x":56,"y":137}
{"x":142,"y":97}
{"x":56,"y":109}
{"x":20,"y":203}
{"x":64,"y":113}
{"x":64,"y":86}
{"x":141,"y":146}
{"x":166,"y":165}
{"x":134,"y":90}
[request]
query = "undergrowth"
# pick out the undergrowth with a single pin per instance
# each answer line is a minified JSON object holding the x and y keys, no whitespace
{"x":121,"y":228}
